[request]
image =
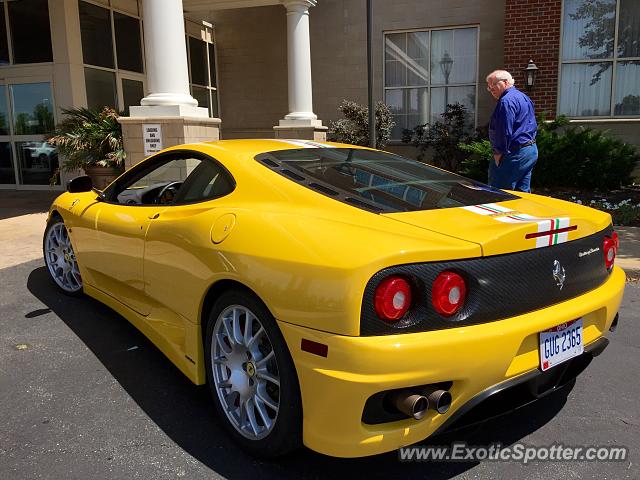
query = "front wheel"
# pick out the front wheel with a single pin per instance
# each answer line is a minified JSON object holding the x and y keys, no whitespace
{"x":252,"y":377}
{"x":60,"y":258}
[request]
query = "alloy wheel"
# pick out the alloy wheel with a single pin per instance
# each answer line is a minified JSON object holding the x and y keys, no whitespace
{"x":245,"y":372}
{"x":61,"y":259}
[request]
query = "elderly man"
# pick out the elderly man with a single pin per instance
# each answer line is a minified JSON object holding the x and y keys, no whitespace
{"x":512,"y":132}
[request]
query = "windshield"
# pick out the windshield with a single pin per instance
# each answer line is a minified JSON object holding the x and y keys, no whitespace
{"x":379,"y":181}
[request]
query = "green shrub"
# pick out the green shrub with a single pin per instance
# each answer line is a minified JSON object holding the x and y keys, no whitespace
{"x":442,"y":137}
{"x":577,"y":157}
{"x":354,"y":127}
{"x":476,"y":165}
{"x":583,"y":158}
{"x":89,"y":138}
{"x":626,"y":215}
{"x":622,"y":213}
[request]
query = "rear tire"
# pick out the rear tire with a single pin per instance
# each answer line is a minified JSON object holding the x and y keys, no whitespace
{"x":252,"y":377}
{"x":60,"y":258}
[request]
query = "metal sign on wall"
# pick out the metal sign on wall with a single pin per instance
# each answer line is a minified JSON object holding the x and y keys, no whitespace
{"x":152,"y":138}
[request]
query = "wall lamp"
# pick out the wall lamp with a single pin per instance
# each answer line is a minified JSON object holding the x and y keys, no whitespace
{"x":530,"y":74}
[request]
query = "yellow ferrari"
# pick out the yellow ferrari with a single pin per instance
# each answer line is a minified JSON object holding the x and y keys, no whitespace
{"x":336,"y":296}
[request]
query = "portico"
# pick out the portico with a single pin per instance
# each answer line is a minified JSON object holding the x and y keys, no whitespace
{"x":301,"y":118}
{"x":169,"y":103}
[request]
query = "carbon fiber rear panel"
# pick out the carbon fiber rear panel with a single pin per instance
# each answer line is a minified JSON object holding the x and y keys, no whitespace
{"x":498,"y":287}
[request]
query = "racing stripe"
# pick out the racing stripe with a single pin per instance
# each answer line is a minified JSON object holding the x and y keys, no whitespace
{"x":564,"y":236}
{"x":506,"y":215}
{"x":553,"y":227}
{"x":302,"y":143}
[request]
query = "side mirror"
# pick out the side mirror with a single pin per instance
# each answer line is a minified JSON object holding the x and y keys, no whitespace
{"x":80,"y":184}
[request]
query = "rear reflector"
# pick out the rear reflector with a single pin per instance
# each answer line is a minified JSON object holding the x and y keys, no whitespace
{"x":316,"y":348}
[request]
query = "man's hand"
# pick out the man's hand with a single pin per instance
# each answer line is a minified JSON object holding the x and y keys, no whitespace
{"x":497,"y":157}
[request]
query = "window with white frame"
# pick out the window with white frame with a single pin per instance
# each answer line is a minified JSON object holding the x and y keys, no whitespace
{"x":600,"y":72}
{"x":202,"y":66}
{"x":425,"y":70}
{"x":112,"y":53}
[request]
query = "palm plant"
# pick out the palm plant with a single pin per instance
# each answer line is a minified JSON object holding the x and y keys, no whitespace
{"x":89,"y":138}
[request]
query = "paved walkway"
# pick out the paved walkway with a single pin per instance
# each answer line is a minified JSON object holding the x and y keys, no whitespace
{"x":22,"y":221}
{"x":629,"y":254}
{"x":23,"y":214}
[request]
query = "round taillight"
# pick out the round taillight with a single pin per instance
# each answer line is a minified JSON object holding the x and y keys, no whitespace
{"x":448,"y":293}
{"x":616,"y":241}
{"x":392,"y":298}
{"x":609,"y":249}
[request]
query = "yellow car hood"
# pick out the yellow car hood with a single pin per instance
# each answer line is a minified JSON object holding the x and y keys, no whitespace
{"x":504,"y":227}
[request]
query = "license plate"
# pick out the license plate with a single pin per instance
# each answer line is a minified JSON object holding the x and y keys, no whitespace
{"x":560,"y":343}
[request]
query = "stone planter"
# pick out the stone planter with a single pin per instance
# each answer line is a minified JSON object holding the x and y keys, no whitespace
{"x":102,"y":176}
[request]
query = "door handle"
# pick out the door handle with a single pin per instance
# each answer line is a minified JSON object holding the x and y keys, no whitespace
{"x":154,"y":216}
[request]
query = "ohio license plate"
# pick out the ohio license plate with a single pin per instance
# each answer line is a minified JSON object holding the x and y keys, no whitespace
{"x":560,"y":343}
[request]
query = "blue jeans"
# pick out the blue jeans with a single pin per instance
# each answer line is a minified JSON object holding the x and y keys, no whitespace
{"x":514,"y":171}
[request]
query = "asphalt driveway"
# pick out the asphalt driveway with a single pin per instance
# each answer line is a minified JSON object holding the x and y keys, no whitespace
{"x":84,"y":395}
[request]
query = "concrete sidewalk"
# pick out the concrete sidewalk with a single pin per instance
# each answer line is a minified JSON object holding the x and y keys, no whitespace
{"x":629,"y":254}
{"x":22,"y":221}
{"x":22,"y":217}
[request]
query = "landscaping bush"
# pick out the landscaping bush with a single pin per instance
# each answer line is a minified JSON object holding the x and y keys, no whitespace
{"x":476,"y":165}
{"x":577,"y":157}
{"x":442,"y":138}
{"x":583,"y":158}
{"x":354,"y":127}
{"x":89,"y":138}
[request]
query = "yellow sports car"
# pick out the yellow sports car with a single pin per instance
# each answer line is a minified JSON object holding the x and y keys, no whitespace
{"x":338,"y":296}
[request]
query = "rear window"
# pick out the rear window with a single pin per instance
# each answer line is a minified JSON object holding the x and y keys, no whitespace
{"x":379,"y":181}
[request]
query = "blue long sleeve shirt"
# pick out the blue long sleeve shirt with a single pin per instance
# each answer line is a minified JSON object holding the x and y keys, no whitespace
{"x":513,"y":122}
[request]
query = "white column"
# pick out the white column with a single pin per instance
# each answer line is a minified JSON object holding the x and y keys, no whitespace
{"x":166,"y":62}
{"x":299,"y":64}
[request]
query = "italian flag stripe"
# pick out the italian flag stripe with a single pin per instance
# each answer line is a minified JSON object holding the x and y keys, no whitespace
{"x":547,"y":227}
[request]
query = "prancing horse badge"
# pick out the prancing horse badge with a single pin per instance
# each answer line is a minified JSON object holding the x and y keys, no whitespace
{"x":558,"y":274}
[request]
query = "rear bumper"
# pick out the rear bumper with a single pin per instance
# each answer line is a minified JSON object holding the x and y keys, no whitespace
{"x":475,"y":359}
{"x":520,"y":391}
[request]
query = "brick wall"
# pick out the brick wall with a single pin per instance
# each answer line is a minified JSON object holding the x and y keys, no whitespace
{"x":532,"y":31}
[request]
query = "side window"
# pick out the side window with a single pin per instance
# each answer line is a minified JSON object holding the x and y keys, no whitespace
{"x":158,"y":184}
{"x":208,"y":181}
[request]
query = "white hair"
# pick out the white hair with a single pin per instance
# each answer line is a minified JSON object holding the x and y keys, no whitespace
{"x":501,"y":75}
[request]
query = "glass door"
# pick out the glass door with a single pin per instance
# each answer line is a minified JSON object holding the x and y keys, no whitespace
{"x":26,"y":116}
{"x":8,"y":171}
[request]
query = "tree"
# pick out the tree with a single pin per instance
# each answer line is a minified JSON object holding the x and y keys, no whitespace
{"x":44,"y":116}
{"x":22,"y":124}
{"x":630,"y":105}
{"x":442,"y":137}
{"x":354,"y":127}
{"x":598,"y":37}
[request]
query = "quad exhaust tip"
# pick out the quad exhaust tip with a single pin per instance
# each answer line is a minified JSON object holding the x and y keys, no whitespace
{"x":439,"y":400}
{"x":411,"y":404}
{"x":416,"y":406}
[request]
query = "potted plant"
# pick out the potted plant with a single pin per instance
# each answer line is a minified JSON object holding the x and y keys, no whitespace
{"x":90,"y":140}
